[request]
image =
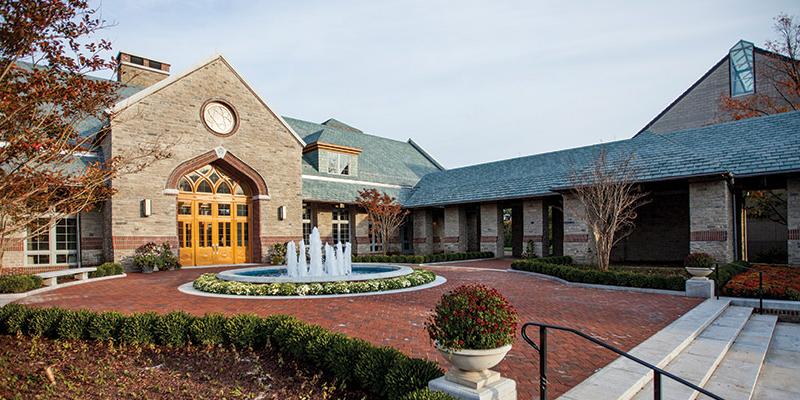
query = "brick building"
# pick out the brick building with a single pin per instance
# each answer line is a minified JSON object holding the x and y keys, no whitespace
{"x":242,"y":178}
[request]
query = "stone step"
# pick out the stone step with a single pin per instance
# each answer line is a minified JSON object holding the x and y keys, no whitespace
{"x":623,"y":378}
{"x":780,"y":375}
{"x":736,"y":376}
{"x":698,"y":361}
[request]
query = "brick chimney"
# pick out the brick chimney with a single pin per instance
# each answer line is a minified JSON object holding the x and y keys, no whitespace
{"x":139,"y":71}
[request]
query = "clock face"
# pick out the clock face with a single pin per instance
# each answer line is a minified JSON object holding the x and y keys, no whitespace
{"x":219,"y":118}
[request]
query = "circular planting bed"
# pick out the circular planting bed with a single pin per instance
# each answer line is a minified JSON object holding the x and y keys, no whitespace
{"x":210,"y":283}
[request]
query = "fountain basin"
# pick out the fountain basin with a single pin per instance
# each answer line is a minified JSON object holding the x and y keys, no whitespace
{"x":278,"y":274}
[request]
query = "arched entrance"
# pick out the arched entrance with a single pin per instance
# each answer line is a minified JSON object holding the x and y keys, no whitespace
{"x":213,"y":217}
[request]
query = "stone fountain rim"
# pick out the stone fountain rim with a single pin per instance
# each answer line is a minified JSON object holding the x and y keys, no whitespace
{"x":397,"y":271}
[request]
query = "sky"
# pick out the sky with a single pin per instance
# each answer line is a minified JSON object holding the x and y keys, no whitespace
{"x":470,"y":82}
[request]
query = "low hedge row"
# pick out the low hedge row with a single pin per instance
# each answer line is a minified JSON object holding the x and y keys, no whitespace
{"x":558,"y":260}
{"x":211,"y":284}
{"x":106,"y":269}
{"x":382,"y":371}
{"x":413,"y":259}
{"x":614,"y":278}
{"x":19,"y":283}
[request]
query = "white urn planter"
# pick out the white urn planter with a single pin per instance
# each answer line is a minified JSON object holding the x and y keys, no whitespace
{"x":474,"y":360}
{"x":699,"y":272}
{"x":471,"y":379}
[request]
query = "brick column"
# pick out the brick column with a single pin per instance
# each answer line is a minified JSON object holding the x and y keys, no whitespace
{"x":423,"y":231}
{"x":793,"y":219}
{"x":711,"y":219}
{"x":361,"y":233}
{"x":491,"y":229}
{"x":576,"y":232}
{"x":455,"y":230}
{"x":533,"y":219}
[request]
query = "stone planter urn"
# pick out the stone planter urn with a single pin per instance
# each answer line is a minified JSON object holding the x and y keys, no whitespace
{"x":470,"y":377}
{"x":699,"y":272}
{"x":474,"y":360}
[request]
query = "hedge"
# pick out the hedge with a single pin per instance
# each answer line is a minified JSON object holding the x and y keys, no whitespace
{"x":614,"y":278}
{"x":381,"y":371}
{"x":19,"y":283}
{"x":559,"y":260}
{"x":106,"y":269}
{"x":211,"y":284}
{"x":412,"y":259}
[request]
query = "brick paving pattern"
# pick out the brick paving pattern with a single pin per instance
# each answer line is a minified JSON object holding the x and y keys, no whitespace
{"x":624,"y":319}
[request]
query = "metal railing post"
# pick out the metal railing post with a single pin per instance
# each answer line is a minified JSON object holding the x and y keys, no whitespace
{"x":543,"y":363}
{"x":760,"y":292}
{"x":717,"y":286}
{"x":656,"y":385}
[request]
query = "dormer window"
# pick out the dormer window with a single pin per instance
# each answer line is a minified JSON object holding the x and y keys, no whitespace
{"x":339,"y":163}
{"x":742,"y":69}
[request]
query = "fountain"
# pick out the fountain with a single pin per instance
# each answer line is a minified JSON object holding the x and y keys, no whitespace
{"x":310,"y":266}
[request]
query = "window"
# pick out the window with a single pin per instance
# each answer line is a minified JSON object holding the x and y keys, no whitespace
{"x":375,"y":243}
{"x":341,"y":225}
{"x":339,"y":163}
{"x":306,"y":222}
{"x":57,"y":244}
{"x":154,"y":64}
{"x":137,"y":60}
{"x":741,"y":67}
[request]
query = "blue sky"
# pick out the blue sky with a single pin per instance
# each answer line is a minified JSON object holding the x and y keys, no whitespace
{"x":469,"y":81}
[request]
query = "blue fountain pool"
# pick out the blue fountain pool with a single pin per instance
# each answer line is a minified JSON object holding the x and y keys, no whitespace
{"x":361,"y":272}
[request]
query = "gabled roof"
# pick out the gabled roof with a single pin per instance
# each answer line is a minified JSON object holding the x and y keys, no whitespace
{"x":764,"y":145}
{"x":127,"y":102}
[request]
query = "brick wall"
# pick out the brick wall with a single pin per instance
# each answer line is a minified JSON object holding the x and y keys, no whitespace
{"x":711,"y":219}
{"x":793,"y":219}
{"x":455,"y":230}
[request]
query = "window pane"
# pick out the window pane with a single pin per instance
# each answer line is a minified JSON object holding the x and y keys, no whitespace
{"x":224,"y":188}
{"x":201,"y":226}
{"x":741,"y":67}
{"x":224,"y":210}
{"x":185,"y":208}
{"x":241,"y":210}
{"x":204,"y":208}
{"x":185,"y":186}
{"x":38,"y":259}
{"x":189,"y":235}
{"x":204,"y":187}
{"x":344,"y":164}
{"x":239,"y":235}
{"x":333,"y":164}
{"x":245,"y":234}
{"x":180,"y":234}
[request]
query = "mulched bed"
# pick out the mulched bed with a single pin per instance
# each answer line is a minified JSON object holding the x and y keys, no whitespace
{"x":92,"y":370}
{"x":780,"y":282}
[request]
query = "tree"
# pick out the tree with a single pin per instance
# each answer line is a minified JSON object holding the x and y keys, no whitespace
{"x":609,"y":198}
{"x":767,"y":204}
{"x":780,"y":72}
{"x":384,"y":214}
{"x":53,"y":115}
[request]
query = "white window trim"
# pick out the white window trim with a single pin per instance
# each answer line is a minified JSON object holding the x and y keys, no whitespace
{"x":52,"y":251}
{"x":339,"y":164}
{"x":337,"y":225}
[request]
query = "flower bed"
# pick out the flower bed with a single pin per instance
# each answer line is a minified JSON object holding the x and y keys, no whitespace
{"x":211,"y":284}
{"x":781,"y":283}
{"x":383,"y":372}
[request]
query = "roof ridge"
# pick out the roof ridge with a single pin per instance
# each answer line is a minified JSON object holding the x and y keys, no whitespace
{"x":349,"y":132}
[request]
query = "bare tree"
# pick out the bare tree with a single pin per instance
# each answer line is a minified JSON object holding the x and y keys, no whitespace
{"x":609,"y":198}
{"x":781,"y":73}
{"x":384,"y":213}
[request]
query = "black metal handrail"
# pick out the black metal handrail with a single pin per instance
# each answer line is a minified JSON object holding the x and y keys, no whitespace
{"x":718,"y":286}
{"x":541,"y":348}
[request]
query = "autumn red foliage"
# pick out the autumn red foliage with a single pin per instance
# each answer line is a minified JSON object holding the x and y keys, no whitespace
{"x":780,"y":282}
{"x":384,"y":214}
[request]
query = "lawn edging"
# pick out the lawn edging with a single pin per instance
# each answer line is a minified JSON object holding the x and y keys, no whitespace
{"x":382,"y":371}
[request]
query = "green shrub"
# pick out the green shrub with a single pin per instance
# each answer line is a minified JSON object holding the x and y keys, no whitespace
{"x":408,"y":375}
{"x":208,"y":330}
{"x":106,"y":269}
{"x":73,"y":325}
{"x":427,"y":394}
{"x":13,"y":319}
{"x":43,"y":322}
{"x":370,"y":369}
{"x":137,"y":329}
{"x":342,"y":353}
{"x":19,"y":283}
{"x":416,"y":259}
{"x":172,"y":329}
{"x":105,"y":326}
{"x":698,"y":260}
{"x":594,"y":276}
{"x":244,"y":331}
{"x":277,"y":254}
{"x":150,"y":257}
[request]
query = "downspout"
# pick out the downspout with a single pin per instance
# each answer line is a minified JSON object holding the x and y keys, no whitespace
{"x":737,"y":245}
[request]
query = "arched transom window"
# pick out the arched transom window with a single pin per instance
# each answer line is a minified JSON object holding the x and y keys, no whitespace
{"x":209,"y":180}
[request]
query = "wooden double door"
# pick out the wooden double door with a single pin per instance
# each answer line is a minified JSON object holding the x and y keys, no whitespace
{"x":213,"y":231}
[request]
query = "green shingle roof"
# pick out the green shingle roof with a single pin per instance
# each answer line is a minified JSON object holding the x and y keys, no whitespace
{"x":763,"y":145}
{"x":382,"y":160}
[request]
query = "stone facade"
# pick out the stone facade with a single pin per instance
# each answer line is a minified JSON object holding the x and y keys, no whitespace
{"x":711,"y":219}
{"x":423,"y":231}
{"x":172,"y":115}
{"x":455,"y":230}
{"x":533,"y":224}
{"x":793,"y":219}
{"x":576,"y":232}
{"x":491,"y":229}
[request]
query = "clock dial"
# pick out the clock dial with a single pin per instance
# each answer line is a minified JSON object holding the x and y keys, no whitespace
{"x":219,"y":118}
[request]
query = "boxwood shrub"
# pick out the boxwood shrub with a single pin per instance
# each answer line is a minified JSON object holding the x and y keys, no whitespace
{"x":381,"y":371}
{"x":106,"y":269}
{"x":19,"y":283}
{"x":416,"y":259}
{"x":613,"y":278}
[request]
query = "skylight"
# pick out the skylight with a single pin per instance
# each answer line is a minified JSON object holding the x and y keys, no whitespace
{"x":741,"y":66}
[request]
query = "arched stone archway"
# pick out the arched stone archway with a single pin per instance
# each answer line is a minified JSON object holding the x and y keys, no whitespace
{"x":253,"y":184}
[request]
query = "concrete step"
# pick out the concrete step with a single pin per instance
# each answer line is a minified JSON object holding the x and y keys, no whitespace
{"x":698,"y":361}
{"x":780,"y":375}
{"x":623,"y":378}
{"x":736,"y":376}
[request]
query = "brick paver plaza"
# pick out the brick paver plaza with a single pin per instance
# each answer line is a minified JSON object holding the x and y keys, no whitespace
{"x":622,"y":318}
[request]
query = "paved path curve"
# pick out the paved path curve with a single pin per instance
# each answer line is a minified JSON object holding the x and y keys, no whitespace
{"x":622,"y":318}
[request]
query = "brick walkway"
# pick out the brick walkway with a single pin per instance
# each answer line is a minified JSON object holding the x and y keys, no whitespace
{"x":622,"y":318}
